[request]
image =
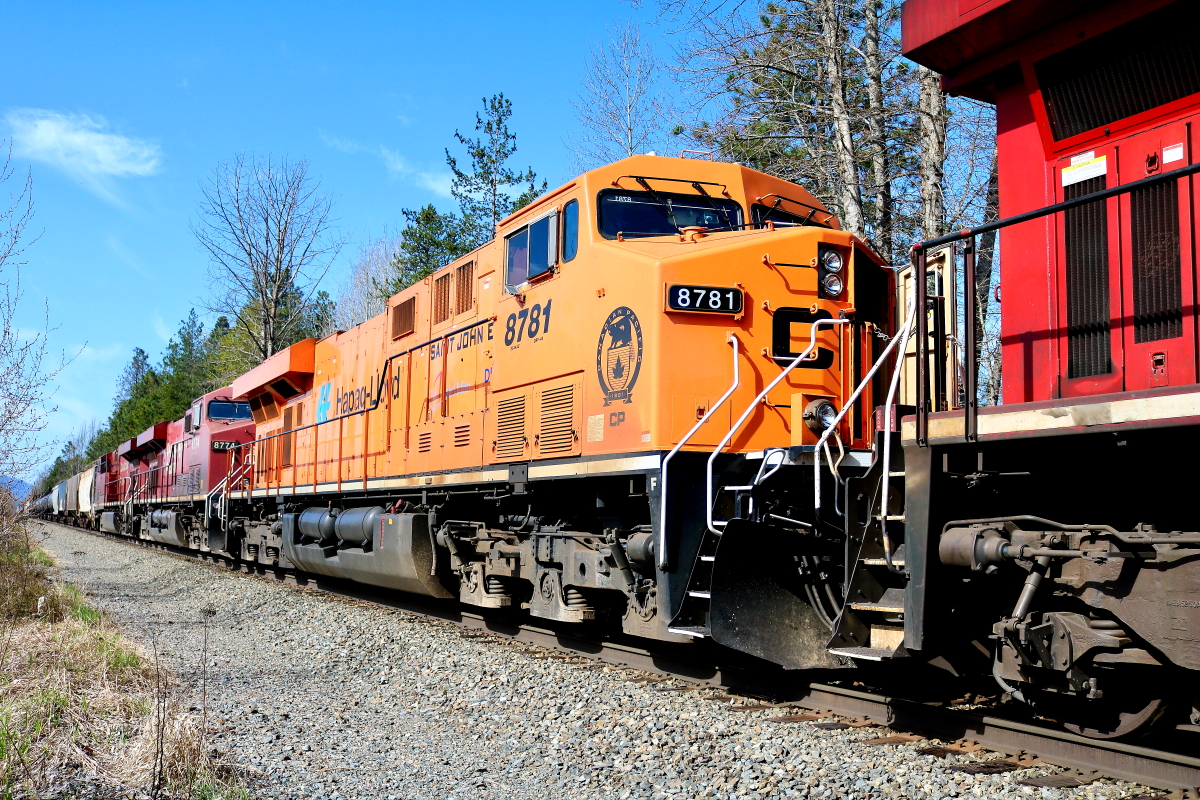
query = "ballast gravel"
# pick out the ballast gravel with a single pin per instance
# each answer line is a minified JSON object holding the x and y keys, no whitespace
{"x":322,"y":697}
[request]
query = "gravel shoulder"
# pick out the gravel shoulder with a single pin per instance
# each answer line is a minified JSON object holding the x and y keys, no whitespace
{"x":322,"y":697}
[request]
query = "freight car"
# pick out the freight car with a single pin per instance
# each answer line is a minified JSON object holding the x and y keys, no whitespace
{"x":674,"y":399}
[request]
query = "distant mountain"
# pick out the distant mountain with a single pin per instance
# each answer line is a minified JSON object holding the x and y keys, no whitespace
{"x":18,"y":487}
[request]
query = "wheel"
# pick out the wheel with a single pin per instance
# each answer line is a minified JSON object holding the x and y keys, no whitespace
{"x":1128,"y":712}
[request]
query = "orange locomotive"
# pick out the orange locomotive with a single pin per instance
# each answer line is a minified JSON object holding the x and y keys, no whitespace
{"x":543,"y":423}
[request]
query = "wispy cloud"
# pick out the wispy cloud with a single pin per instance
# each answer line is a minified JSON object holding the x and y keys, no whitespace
{"x":396,"y":165}
{"x":161,"y":328}
{"x":81,"y":146}
{"x":127,"y":256}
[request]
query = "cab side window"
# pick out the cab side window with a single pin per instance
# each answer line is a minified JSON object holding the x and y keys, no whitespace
{"x":532,"y":250}
{"x":570,"y":230}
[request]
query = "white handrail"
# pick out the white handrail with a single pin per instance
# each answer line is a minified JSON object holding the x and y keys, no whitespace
{"x":853,"y":398}
{"x":888,"y":416}
{"x":812,"y":344}
{"x":662,"y":501}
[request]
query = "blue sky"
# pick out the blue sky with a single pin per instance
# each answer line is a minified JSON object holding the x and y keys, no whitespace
{"x":121,"y":110}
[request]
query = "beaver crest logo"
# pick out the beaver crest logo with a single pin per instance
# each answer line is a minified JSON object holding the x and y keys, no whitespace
{"x":619,"y":355}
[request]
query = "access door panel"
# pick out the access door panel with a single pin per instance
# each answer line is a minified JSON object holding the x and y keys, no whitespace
{"x":1088,"y":277}
{"x":1158,"y":326}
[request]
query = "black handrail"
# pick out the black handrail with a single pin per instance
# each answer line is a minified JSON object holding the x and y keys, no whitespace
{"x":378,"y":389}
{"x":971,"y":410}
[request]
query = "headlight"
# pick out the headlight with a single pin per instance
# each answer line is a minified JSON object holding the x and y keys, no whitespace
{"x":833,"y":285}
{"x":819,"y":415}
{"x":831,"y":260}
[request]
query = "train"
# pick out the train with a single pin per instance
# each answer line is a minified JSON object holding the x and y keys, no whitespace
{"x":674,"y":400}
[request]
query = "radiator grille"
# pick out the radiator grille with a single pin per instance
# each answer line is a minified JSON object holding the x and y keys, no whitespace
{"x":556,"y":432}
{"x":1157,"y":282}
{"x":462,"y":435}
{"x":424,"y":441}
{"x":464,"y":295}
{"x":1088,"y":327}
{"x":1135,"y":68}
{"x":441,"y":298}
{"x":404,"y":318}
{"x":510,"y":427}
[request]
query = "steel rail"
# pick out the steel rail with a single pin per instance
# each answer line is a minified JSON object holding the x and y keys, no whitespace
{"x":1160,"y":769}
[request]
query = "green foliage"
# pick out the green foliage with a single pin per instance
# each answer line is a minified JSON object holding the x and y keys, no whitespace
{"x":150,"y":394}
{"x":429,"y":241}
{"x":482,"y":188}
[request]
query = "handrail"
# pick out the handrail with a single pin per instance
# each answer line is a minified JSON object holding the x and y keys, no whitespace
{"x":812,"y":344}
{"x":901,"y":334}
{"x":663,"y":561}
{"x":378,"y":389}
{"x":970,"y":428}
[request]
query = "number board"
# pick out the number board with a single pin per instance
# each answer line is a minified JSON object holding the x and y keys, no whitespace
{"x":220,"y":445}
{"x":704,"y":299}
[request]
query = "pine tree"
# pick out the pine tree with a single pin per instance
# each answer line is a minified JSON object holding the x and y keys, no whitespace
{"x":429,"y":241}
{"x":481,"y":189}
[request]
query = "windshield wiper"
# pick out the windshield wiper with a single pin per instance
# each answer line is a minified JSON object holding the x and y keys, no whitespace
{"x":713,"y":204}
{"x":665,"y":203}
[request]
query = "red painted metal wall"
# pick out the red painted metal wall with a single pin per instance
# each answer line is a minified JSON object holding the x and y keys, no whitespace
{"x":1102,"y":300}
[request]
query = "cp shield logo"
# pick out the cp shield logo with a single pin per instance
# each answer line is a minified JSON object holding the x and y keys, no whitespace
{"x":619,"y":355}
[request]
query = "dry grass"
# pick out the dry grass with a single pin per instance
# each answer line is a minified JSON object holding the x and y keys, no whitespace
{"x":82,"y":707}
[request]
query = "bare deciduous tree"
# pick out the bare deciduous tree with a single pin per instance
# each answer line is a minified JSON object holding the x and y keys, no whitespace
{"x":266,"y":227}
{"x":932,"y":127}
{"x":26,"y":371}
{"x":359,"y":297}
{"x":622,"y":108}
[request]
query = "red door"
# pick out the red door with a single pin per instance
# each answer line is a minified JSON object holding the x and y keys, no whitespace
{"x":1158,"y":324}
{"x":1089,"y":281}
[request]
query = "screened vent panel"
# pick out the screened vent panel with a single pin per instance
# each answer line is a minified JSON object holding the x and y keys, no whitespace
{"x":404,"y":318}
{"x":556,"y":431}
{"x":1152,"y":62}
{"x":424,"y":441}
{"x":510,"y":427}
{"x":287,"y":437}
{"x":464,"y":289}
{"x":441,"y":298}
{"x":462,"y":435}
{"x":1157,"y":280}
{"x":1088,"y":314}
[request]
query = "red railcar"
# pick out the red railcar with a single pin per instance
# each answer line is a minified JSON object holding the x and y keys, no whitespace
{"x":1085,"y":588}
{"x":159,"y":483}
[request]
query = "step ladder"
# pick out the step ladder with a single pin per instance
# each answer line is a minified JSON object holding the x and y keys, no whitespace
{"x":871,"y":625}
{"x":692,"y":619}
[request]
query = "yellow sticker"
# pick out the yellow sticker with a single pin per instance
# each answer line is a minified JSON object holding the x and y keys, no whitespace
{"x":1084,"y":170}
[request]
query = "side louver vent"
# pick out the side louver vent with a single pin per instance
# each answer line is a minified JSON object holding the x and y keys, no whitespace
{"x":1157,"y":280}
{"x":424,"y":441}
{"x":556,"y":434}
{"x":1137,"y":67}
{"x":462,"y":435}
{"x":510,"y":427}
{"x":1088,"y":314}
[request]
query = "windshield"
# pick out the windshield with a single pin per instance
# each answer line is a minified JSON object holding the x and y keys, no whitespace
{"x":661,"y":214}
{"x":227,"y":409}
{"x":763,"y":214}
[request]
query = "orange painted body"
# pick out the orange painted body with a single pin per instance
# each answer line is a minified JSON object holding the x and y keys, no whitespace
{"x":447,"y":393}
